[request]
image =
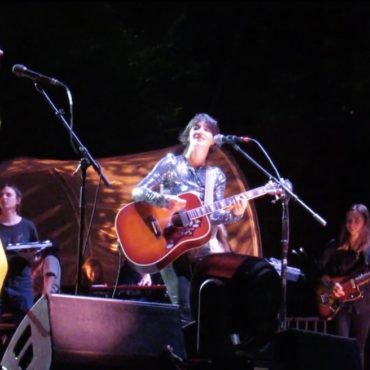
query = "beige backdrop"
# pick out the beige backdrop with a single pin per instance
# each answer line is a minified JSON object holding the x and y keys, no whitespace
{"x":51,"y":200}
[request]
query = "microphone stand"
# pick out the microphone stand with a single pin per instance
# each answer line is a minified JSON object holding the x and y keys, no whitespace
{"x":86,"y":160}
{"x":286,"y":187}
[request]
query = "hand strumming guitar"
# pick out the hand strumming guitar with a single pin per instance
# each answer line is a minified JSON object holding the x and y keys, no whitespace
{"x":175,"y":203}
{"x":333,"y":286}
{"x":338,"y":290}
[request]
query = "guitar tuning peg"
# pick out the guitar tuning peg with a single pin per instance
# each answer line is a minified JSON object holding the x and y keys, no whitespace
{"x":287,"y":183}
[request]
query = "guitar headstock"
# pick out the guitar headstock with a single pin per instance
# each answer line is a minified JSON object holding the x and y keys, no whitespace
{"x":276,"y":189}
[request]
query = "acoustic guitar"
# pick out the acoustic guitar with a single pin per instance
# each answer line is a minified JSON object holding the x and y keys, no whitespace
{"x":329,"y":305}
{"x":3,"y":265}
{"x":152,"y":237}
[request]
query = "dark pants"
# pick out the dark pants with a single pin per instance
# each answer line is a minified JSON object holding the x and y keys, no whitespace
{"x":18,"y":303}
{"x":177,"y":278}
{"x":349,"y":323}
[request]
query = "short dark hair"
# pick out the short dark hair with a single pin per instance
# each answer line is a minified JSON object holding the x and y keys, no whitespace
{"x":199,"y":117}
{"x":17,"y":191}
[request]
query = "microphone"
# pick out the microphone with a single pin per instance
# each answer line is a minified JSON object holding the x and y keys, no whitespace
{"x":22,"y":71}
{"x":230,"y":139}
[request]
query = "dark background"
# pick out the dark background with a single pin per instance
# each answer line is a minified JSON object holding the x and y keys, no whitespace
{"x":293,"y":75}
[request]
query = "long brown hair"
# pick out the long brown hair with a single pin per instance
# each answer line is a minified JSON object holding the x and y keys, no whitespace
{"x":363,"y":241}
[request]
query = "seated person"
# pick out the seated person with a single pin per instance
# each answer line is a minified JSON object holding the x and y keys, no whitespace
{"x":92,"y":274}
{"x":128,"y":275}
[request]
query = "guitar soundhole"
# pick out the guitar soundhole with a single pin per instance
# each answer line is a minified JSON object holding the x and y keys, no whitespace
{"x":174,"y":234}
{"x":176,"y":220}
{"x":168,"y":231}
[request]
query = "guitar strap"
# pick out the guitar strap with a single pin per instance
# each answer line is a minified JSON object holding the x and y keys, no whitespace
{"x":214,"y":244}
{"x":209,"y":186}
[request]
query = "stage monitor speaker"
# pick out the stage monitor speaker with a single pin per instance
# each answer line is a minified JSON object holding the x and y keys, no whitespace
{"x":237,"y":296}
{"x":295,"y":349}
{"x":76,"y":332}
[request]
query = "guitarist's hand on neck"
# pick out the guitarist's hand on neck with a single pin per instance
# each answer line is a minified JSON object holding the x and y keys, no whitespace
{"x":239,"y":206}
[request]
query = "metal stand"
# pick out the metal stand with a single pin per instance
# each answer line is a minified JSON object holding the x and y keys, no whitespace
{"x":85,"y":161}
{"x":284,"y":260}
{"x":285,"y":196}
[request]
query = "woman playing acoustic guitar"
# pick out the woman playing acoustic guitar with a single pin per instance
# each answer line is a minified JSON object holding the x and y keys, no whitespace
{"x":344,"y":268}
{"x":177,"y":174}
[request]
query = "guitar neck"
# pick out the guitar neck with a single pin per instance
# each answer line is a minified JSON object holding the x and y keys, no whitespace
{"x":224,"y":203}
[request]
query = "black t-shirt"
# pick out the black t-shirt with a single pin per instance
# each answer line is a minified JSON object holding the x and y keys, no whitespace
{"x":22,"y":232}
{"x":18,"y":283}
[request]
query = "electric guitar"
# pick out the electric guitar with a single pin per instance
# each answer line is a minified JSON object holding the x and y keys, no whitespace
{"x":329,"y":305}
{"x":152,"y":237}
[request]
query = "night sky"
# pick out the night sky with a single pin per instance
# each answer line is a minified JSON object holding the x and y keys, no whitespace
{"x":293,"y":75}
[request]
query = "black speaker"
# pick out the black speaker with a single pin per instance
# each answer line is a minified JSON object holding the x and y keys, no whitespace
{"x":305,"y":350}
{"x":76,"y":332}
{"x":234,"y":296}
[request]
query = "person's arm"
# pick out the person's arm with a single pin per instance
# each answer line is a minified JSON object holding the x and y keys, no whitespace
{"x":34,"y":235}
{"x":51,"y":272}
{"x":225,"y":216}
{"x":146,"y":190}
{"x":31,"y":235}
{"x":325,"y":263}
{"x":328,"y":266}
{"x":146,"y":280}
